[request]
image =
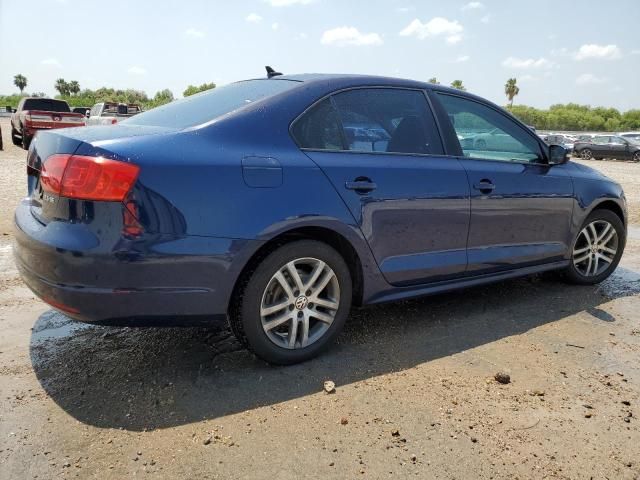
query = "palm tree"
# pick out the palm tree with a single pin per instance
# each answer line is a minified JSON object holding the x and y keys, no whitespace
{"x":457,"y":84}
{"x":20,"y":81}
{"x":434,"y":80}
{"x":74,"y":87}
{"x":62,"y":87}
{"x":511,"y":90}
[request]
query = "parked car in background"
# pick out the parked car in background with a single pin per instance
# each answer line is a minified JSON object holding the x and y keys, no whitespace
{"x":563,"y":140}
{"x":635,"y":136}
{"x":110,"y":113}
{"x":251,"y":204}
{"x":82,"y":110}
{"x":608,"y":146}
{"x":37,"y":113}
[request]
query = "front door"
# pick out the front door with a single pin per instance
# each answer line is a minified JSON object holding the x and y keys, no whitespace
{"x":382,"y":152}
{"x":521,"y":207}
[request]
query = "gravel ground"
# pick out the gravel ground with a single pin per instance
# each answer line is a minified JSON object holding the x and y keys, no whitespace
{"x":415,"y":390}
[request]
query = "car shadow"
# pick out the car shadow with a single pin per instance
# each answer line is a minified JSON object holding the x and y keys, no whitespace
{"x":149,"y":378}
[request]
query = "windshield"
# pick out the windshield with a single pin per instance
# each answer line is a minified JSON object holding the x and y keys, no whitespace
{"x":46,"y":104}
{"x":211,"y":104}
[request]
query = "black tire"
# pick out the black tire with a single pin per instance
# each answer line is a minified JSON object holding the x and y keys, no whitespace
{"x":586,"y":154}
{"x":26,"y":141}
{"x":636,"y":156}
{"x":15,"y":138}
{"x":572,"y":275}
{"x":244,"y":311}
{"x":481,"y":144}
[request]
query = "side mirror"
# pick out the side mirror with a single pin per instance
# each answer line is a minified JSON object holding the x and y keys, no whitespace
{"x":557,"y":155}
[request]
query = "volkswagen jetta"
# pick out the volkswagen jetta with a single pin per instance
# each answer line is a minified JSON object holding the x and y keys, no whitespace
{"x":279,"y":203}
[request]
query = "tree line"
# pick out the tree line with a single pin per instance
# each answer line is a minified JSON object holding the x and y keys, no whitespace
{"x":79,"y":97}
{"x":569,"y":116}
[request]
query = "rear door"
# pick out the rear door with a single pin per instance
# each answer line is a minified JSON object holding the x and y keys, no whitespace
{"x":381,"y":150}
{"x":618,"y":148}
{"x":521,"y":207}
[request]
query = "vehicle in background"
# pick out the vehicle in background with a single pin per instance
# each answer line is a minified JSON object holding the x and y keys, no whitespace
{"x":36,"y":113}
{"x":634,"y":136}
{"x":82,"y":110}
{"x":110,"y":113}
{"x":494,"y":140}
{"x":608,"y":146}
{"x":566,"y":141}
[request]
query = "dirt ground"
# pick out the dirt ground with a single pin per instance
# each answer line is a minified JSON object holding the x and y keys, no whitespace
{"x":415,"y":394}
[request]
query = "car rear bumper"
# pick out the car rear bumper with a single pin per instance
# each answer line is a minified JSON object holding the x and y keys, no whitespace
{"x":155,"y":279}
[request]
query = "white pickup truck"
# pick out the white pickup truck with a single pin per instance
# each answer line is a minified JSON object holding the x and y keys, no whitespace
{"x":110,"y":113}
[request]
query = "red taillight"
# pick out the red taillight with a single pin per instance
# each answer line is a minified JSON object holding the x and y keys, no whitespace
{"x":114,"y":121}
{"x":88,"y":178}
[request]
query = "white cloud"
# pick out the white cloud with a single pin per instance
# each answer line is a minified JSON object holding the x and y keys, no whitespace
{"x":472,"y":6}
{"x":589,"y":79}
{"x":349,"y":36}
{"x":526,"y":63}
{"x":592,"y":50}
{"x":462,"y":59}
{"x":275,"y":26}
{"x":253,"y":18}
{"x":288,"y":3}
{"x":136,"y":70}
{"x":51,"y":62}
{"x":435,"y":27}
{"x":486,"y":18}
{"x":192,"y":32}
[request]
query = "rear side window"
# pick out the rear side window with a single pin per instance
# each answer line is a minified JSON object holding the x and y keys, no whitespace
{"x":211,"y":104}
{"x":46,"y":104}
{"x":370,"y":120}
{"x":486,"y":134}
{"x":387,"y":120}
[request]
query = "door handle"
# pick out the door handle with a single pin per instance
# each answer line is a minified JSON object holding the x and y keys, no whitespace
{"x":361,"y":185}
{"x":485,"y":186}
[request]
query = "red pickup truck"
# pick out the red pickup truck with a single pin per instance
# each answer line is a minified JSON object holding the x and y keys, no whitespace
{"x":35,"y":113}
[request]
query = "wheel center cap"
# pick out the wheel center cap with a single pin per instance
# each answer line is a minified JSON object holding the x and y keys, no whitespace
{"x":301,"y":302}
{"x":594,"y":249}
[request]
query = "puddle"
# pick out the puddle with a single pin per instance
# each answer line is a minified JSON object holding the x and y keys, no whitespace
{"x":622,"y":283}
{"x":54,"y":325}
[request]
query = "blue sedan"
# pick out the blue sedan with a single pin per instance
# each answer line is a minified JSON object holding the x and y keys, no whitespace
{"x":276,"y":204}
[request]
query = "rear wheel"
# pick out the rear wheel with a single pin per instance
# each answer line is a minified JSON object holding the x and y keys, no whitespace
{"x":26,"y":140}
{"x":294,"y":304}
{"x":636,"y":156}
{"x":15,"y":138}
{"x":586,"y":154}
{"x":597,"y":248}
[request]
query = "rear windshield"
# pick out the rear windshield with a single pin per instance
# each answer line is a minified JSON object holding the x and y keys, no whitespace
{"x":46,"y":104}
{"x":206,"y":106}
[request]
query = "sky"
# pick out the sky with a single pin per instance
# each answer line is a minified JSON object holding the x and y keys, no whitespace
{"x":559,"y":51}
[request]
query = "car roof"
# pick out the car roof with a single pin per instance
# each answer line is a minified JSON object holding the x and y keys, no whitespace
{"x":344,"y":80}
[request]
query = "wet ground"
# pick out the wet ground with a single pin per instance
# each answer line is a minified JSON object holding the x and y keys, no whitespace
{"x":415,"y":393}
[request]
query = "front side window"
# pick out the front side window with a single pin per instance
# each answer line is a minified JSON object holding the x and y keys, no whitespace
{"x":486,"y":134}
{"x":387,"y":120}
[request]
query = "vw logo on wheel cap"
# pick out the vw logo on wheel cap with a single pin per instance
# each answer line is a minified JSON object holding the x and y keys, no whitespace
{"x":301,"y":302}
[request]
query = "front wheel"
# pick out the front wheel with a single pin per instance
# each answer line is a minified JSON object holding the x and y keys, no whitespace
{"x":294,"y":304}
{"x":597,"y":248}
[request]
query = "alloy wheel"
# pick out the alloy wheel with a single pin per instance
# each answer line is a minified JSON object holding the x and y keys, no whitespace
{"x":636,"y":157}
{"x":300,"y":303}
{"x":586,"y":154}
{"x":595,"y":248}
